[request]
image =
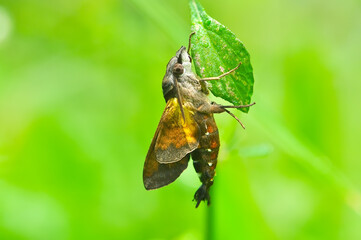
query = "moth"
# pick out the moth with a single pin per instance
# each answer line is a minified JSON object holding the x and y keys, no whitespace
{"x":186,"y":129}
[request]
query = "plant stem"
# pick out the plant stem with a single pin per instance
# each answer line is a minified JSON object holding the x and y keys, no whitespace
{"x":209,"y":234}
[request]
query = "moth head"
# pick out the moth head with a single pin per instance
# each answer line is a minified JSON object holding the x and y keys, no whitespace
{"x":184,"y":59}
{"x":177,"y":66}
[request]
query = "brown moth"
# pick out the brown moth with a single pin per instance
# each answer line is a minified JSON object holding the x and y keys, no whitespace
{"x":186,"y":129}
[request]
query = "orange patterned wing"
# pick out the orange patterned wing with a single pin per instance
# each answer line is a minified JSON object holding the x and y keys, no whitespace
{"x":176,"y":137}
{"x":170,"y":149}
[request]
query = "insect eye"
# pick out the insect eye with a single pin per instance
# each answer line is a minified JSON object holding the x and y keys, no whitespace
{"x":178,"y":69}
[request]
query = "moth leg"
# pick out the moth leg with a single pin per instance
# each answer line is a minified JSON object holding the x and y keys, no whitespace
{"x":217,"y":108}
{"x":222,"y":75}
{"x":239,"y":106}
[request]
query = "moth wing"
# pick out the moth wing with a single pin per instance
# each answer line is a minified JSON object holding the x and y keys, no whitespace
{"x":156,"y":175}
{"x":162,"y":165}
{"x":176,"y":137}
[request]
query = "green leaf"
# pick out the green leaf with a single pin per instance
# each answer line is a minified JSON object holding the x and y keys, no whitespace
{"x":216,"y":50}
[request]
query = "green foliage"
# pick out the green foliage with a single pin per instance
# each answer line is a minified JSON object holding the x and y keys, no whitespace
{"x":216,"y":50}
{"x":81,"y":97}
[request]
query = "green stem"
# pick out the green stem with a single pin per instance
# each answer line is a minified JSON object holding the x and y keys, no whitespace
{"x":210,"y":233}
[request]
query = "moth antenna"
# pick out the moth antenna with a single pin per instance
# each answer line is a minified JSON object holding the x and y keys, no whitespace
{"x":227,"y":111}
{"x":189,"y":41}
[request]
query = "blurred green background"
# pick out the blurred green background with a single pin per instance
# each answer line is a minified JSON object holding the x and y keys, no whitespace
{"x":80,"y":99}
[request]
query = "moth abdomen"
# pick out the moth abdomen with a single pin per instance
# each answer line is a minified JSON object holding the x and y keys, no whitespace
{"x":205,"y":156}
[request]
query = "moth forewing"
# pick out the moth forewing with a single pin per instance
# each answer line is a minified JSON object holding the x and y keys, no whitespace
{"x":171,"y":146}
{"x":177,"y":136}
